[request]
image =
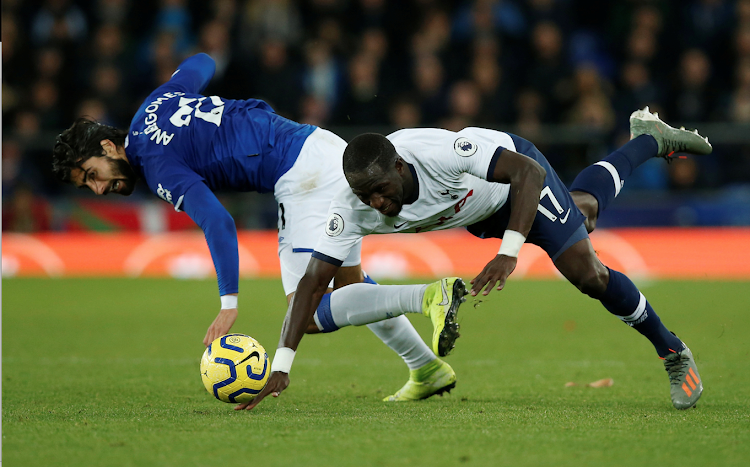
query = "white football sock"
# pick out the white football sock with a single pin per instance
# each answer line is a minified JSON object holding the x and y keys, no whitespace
{"x":399,"y":334}
{"x":358,"y":304}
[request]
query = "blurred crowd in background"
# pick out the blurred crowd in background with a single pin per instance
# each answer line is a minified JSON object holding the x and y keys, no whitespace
{"x":526,"y":66}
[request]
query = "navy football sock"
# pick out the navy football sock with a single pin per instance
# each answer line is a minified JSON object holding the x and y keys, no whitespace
{"x":604,"y":179}
{"x":624,"y":300}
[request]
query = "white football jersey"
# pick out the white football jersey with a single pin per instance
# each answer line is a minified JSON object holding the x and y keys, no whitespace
{"x":451,"y":171}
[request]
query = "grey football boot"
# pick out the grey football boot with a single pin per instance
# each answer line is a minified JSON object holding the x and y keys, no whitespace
{"x":670,"y":140}
{"x":685,"y":383}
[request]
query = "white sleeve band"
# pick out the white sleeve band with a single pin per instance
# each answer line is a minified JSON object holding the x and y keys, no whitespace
{"x":228,"y":302}
{"x":283,"y":359}
{"x":512,"y":243}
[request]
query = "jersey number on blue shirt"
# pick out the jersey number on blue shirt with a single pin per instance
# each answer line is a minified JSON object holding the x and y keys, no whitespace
{"x":183,"y":115}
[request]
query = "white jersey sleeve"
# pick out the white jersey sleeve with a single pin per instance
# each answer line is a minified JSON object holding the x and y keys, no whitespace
{"x":348,"y":221}
{"x":470,"y":150}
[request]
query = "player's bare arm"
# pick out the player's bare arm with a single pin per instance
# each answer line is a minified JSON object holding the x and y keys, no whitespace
{"x":310,"y":291}
{"x":526,"y":179}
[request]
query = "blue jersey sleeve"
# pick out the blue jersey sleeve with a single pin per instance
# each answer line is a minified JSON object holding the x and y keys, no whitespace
{"x":221,"y":234}
{"x":192,"y":76}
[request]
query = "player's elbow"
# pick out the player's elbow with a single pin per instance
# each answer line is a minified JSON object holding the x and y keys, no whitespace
{"x":532,"y":172}
{"x":539,"y":172}
{"x":221,"y":223}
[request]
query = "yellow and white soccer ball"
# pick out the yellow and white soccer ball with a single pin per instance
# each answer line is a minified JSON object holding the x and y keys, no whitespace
{"x":234,"y":368}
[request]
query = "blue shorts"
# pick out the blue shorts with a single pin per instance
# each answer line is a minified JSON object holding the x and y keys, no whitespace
{"x":558,"y":224}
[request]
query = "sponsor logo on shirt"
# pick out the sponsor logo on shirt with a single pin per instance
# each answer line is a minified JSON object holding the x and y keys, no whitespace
{"x":164,"y":194}
{"x":334,"y":225}
{"x":448,"y":193}
{"x":464,"y":147}
{"x":456,"y":209}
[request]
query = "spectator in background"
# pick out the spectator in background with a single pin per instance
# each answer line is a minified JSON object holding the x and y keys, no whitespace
{"x":592,"y":107}
{"x":108,"y":46}
{"x":694,"y":96}
{"x":433,"y":36}
{"x":314,"y":111}
{"x":59,"y":22}
{"x":495,"y":92}
{"x":706,"y":24}
{"x":739,"y":105}
{"x":529,"y":106}
{"x":262,"y":21}
{"x":465,"y":104}
{"x":231,"y":78}
{"x":44,"y":100}
{"x":404,"y":112}
{"x":107,"y":86}
{"x":429,"y":83}
{"x":322,"y":76}
{"x":363,"y":104}
{"x":112,"y":12}
{"x":549,"y":74}
{"x":16,"y":67}
{"x":555,"y":11}
{"x":175,"y":17}
{"x":637,"y":89}
{"x":276,"y":79}
{"x":488,"y":18}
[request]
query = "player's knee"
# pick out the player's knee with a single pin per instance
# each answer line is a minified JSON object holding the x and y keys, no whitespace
{"x":592,"y":282}
{"x":590,"y":224}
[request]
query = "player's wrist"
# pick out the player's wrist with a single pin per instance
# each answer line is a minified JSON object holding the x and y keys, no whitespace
{"x":228,"y":302}
{"x":512,"y":243}
{"x":282,"y":360}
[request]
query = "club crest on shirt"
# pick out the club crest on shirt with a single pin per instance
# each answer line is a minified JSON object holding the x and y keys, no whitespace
{"x":464,"y":147}
{"x":334,"y":225}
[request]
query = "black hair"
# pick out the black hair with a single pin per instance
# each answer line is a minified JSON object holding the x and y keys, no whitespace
{"x":79,"y":143}
{"x":366,"y":150}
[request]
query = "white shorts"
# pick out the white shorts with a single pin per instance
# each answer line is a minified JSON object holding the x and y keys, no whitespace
{"x":304,"y":194}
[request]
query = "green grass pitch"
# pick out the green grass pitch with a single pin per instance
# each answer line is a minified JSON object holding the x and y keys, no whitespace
{"x":104,"y":372}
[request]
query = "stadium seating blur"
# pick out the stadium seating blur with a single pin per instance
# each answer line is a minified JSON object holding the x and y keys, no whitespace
{"x":563,"y":73}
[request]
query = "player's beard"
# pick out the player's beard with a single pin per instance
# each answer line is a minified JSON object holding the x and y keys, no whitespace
{"x":123,"y":170}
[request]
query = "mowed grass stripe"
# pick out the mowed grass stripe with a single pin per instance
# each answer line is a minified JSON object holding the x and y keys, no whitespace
{"x":105,"y":372}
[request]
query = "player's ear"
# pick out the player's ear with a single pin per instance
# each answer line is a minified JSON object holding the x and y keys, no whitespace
{"x":108,"y":146}
{"x":399,"y":165}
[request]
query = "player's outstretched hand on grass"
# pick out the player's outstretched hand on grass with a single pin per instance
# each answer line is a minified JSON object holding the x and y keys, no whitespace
{"x":221,"y":325}
{"x":495,"y":272}
{"x":277,"y":382}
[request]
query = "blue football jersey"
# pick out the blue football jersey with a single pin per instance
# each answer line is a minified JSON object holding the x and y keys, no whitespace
{"x":186,"y":145}
{"x":179,"y":137}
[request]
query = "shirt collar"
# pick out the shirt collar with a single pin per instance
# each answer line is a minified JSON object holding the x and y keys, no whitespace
{"x":415,"y":192}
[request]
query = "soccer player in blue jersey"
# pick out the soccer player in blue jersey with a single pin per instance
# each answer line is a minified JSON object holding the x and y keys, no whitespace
{"x":497,"y":185}
{"x":185,"y":146}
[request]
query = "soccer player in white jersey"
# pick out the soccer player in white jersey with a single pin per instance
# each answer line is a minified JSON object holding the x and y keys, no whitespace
{"x":185,"y":146}
{"x":497,"y":185}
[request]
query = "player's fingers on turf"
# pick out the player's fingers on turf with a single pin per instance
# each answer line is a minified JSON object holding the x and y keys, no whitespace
{"x":251,"y":405}
{"x":241,"y":406}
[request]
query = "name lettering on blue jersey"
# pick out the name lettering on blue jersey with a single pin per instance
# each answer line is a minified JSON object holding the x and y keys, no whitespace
{"x":157,"y":134}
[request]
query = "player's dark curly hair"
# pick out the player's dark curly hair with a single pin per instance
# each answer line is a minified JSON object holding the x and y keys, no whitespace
{"x":80,"y":142}
{"x":368,"y":149}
